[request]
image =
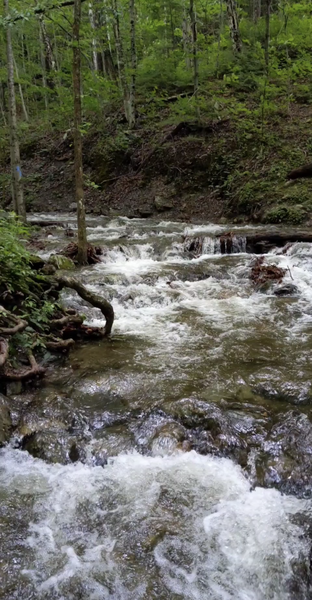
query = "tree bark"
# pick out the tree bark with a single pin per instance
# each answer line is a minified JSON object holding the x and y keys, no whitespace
{"x":120,"y":63}
{"x":21,"y":94}
{"x":133,"y":64}
{"x":93,"y":41}
{"x":17,"y":184}
{"x":49,"y":60}
{"x":234,"y":25}
{"x":195,"y":57}
{"x":94,"y":299}
{"x":81,"y":217}
{"x":267,"y":34}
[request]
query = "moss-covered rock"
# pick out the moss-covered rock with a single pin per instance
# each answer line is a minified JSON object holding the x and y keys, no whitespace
{"x":61,"y":262}
{"x":5,"y":421}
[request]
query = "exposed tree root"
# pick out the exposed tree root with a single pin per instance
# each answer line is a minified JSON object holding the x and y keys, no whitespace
{"x":66,"y":320}
{"x":94,"y":299}
{"x":34,"y":371}
{"x":19,"y":326}
{"x":93,"y":253}
{"x":57,"y":345}
{"x":4,"y":351}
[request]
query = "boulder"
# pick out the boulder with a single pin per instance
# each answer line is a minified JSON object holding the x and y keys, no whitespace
{"x":162,"y":204}
{"x":146,"y":211}
{"x":61,"y":262}
{"x":289,"y":289}
{"x":5,"y":420}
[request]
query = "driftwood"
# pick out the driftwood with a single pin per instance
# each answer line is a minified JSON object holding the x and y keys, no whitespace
{"x":94,"y":299}
{"x":261,"y":273}
{"x":43,"y":223}
{"x":260,"y":243}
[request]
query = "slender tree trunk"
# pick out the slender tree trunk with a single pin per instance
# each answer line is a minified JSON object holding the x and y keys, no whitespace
{"x":2,"y":104}
{"x":50,"y":64}
{"x":81,"y":217}
{"x":93,"y":41}
{"x":256,"y":10}
{"x":43,"y":67}
{"x":17,"y":184}
{"x":267,"y":34}
{"x":195,"y":57}
{"x":133,"y":64}
{"x":120,"y":63}
{"x":234,"y":25}
{"x":186,"y":38}
{"x":21,"y":94}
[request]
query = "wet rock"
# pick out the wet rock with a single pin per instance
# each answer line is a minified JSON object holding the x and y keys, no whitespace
{"x":168,"y":438}
{"x":72,"y":207}
{"x":285,"y":460}
{"x":286,"y":392}
{"x":48,"y":269}
{"x":162,"y":204}
{"x":52,"y":446}
{"x":5,"y":420}
{"x":288,"y":289}
{"x":146,"y":211}
{"x":61,"y":262}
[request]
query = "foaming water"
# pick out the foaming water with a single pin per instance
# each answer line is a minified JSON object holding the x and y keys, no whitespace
{"x":184,"y":526}
{"x":189,"y":324}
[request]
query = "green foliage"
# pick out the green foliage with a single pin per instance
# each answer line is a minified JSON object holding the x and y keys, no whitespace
{"x":294,"y":215}
{"x":14,"y":259}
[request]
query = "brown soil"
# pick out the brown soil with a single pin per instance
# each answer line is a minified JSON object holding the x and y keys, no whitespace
{"x":197,"y":171}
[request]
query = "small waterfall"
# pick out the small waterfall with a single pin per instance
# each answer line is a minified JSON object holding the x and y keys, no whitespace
{"x":227,"y":243}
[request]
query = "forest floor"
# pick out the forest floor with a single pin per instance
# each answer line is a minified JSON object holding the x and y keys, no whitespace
{"x":229,"y":168}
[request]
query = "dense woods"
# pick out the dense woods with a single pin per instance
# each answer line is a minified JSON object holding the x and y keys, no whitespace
{"x":128,"y":71}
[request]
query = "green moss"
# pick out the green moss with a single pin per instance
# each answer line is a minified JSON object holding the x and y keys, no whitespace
{"x":294,"y":215}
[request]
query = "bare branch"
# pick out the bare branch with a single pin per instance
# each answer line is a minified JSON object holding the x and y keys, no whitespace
{"x":94,"y":299}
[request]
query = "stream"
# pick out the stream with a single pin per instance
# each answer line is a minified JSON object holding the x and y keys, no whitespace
{"x":173,"y":462}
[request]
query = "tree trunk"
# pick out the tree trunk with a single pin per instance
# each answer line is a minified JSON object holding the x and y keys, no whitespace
{"x":120,"y":63}
{"x":93,"y":41}
{"x":2,"y":104}
{"x":50,"y":64}
{"x":195,"y":57}
{"x":17,"y":185}
{"x":21,"y":94}
{"x":234,"y":25}
{"x":186,"y":38}
{"x":133,"y":65}
{"x":267,"y":34}
{"x":81,"y":217}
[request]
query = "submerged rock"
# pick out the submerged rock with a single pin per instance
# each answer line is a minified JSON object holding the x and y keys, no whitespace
{"x":285,"y":460}
{"x":5,"y":420}
{"x":289,"y":289}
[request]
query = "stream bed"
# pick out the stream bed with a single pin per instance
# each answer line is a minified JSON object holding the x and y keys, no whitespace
{"x":173,"y":462}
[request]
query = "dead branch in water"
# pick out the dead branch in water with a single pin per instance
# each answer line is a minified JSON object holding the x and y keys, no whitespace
{"x":94,"y":299}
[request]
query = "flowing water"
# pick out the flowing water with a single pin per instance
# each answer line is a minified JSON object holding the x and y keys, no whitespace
{"x":182,"y":485}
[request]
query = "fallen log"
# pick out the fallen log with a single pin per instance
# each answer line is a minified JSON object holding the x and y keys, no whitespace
{"x":261,"y":243}
{"x":43,"y":223}
{"x":94,"y":299}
